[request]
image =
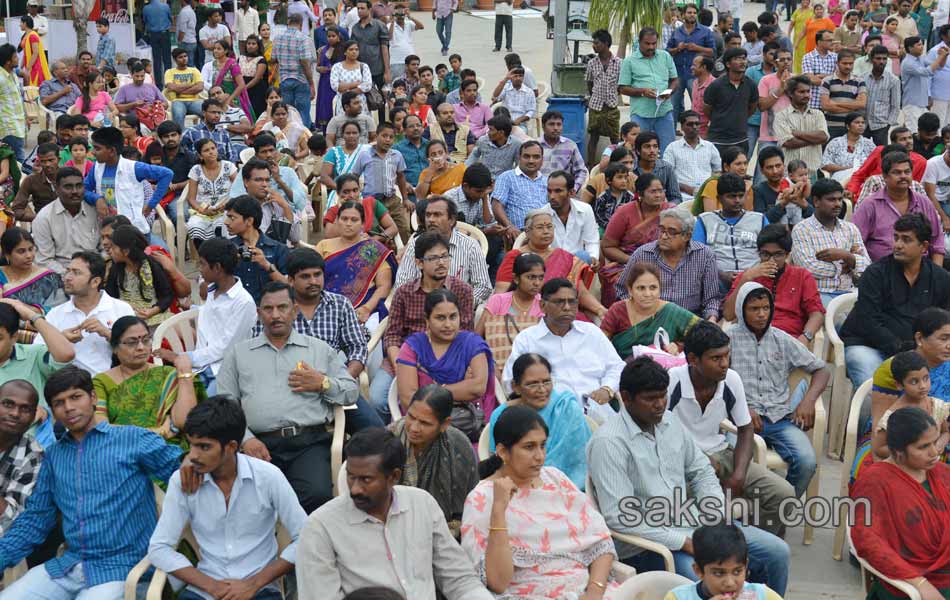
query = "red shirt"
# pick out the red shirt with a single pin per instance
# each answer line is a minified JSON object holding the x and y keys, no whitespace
{"x":872,"y":166}
{"x":796,"y":296}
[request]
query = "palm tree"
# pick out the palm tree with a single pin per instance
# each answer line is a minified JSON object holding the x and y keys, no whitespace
{"x":624,"y":15}
{"x":81,"y":10}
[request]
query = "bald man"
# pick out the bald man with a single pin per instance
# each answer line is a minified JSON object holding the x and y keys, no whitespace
{"x":23,"y":455}
{"x":59,"y":93}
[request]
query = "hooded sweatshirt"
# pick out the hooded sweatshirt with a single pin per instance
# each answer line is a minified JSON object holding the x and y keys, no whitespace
{"x":764,"y":363}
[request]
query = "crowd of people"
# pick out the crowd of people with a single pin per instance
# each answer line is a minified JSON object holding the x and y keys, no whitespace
{"x":526,"y":341}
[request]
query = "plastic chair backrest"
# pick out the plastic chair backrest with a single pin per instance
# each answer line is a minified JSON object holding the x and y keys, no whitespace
{"x":395,"y":410}
{"x":652,"y":585}
{"x":179,"y":331}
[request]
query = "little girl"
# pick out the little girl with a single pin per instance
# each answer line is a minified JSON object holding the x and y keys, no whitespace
{"x":796,"y":188}
{"x":79,"y":150}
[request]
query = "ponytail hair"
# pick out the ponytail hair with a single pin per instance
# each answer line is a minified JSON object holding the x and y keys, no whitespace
{"x":513,"y":424}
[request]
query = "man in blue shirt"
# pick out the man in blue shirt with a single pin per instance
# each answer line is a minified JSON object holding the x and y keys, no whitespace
{"x":262,"y":259}
{"x":413,"y":149}
{"x":687,"y":42}
{"x":158,"y":20}
{"x":99,"y":478}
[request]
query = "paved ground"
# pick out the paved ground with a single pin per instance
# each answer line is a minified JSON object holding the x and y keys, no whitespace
{"x":815,"y":575}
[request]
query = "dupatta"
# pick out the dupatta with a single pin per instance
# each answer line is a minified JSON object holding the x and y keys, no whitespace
{"x":232,"y":67}
{"x":342,"y":164}
{"x":909,"y":534}
{"x":40,"y":71}
{"x":352,"y":271}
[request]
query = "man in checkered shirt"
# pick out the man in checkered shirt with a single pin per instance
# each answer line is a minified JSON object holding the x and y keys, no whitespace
{"x":20,"y":454}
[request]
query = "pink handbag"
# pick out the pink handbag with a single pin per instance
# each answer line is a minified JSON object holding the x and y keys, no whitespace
{"x":661,"y":339}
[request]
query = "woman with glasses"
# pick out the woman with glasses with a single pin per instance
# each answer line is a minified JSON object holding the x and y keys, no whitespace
{"x":138,"y":392}
{"x":533,"y":386}
{"x":459,"y":360}
{"x":558,"y":263}
{"x":636,"y":320}
{"x":507,"y":314}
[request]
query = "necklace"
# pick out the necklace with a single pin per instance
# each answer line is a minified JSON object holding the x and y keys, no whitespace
{"x":520,"y":309}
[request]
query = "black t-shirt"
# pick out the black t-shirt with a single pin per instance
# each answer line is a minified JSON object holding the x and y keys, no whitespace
{"x":727,"y":122}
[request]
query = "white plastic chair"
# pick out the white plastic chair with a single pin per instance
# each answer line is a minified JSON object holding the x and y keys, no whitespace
{"x":912,"y":592}
{"x":246,"y":155}
{"x":395,"y":409}
{"x":374,"y":341}
{"x":652,"y":585}
{"x":850,"y":451}
{"x":840,"y":384}
{"x":180,"y":331}
{"x":474,"y":233}
{"x":168,"y":234}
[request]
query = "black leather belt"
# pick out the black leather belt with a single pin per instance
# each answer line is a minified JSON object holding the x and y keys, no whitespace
{"x":292,"y":431}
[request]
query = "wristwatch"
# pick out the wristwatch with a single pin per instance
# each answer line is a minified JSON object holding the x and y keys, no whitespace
{"x":326,"y":384}
{"x":35,"y":318}
{"x":809,"y":335}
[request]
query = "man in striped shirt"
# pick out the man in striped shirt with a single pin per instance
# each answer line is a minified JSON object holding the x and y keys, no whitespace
{"x":841,"y":94}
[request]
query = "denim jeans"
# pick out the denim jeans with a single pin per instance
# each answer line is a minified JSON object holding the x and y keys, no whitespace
{"x":827,"y":297}
{"x":861,"y":362}
{"x":192,"y":50}
{"x":685,"y":84}
{"x":768,"y":560}
{"x":38,"y":584}
{"x":379,"y":394}
{"x":265,"y":594}
{"x":503,"y":22}
{"x":663,"y":127}
{"x":753,"y":132}
{"x":794,"y":446}
{"x":443,"y":29}
{"x":182,"y":108}
{"x":297,"y":94}
{"x":161,"y":55}
{"x":759,"y":177}
{"x":17,"y":144}
{"x":363,"y":417}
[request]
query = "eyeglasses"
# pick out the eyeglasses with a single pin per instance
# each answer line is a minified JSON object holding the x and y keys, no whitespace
{"x":435,"y":259}
{"x":766,"y":256}
{"x":132,"y":343}
{"x":538,"y":386}
{"x":664,"y":232}
{"x":563,"y":302}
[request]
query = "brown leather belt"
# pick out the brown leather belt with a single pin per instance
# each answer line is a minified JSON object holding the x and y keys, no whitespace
{"x":293,"y":431}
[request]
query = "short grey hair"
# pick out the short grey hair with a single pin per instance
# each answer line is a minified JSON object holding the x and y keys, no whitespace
{"x":687,"y":221}
{"x":532,"y":215}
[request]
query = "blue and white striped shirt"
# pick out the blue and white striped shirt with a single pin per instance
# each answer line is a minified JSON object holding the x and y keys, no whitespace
{"x":103,"y":487}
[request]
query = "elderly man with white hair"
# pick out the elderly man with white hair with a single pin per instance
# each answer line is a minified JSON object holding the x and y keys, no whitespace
{"x":687,"y":268}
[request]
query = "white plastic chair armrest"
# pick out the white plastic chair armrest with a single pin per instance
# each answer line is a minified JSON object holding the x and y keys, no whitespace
{"x":135,"y":574}
{"x":336,"y":445}
{"x":645,"y":544}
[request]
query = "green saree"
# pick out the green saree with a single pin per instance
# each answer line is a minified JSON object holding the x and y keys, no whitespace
{"x":672,"y":318}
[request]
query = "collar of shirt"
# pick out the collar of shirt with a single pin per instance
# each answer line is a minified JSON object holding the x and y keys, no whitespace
{"x":560,"y":140}
{"x":105,"y":304}
{"x":355,"y":516}
{"x":102,"y":427}
{"x":294,"y":339}
{"x":916,"y":200}
{"x":244,"y":471}
{"x":635,"y":429}
{"x":232,"y":292}
{"x":520,"y":173}
{"x":59,"y":209}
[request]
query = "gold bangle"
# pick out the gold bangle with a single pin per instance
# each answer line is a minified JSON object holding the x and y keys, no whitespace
{"x":185,"y":375}
{"x":490,"y":529}
{"x":602,"y":586}
{"x":922,"y":581}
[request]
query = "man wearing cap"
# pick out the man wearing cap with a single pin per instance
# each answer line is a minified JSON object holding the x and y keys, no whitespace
{"x":40,"y":23}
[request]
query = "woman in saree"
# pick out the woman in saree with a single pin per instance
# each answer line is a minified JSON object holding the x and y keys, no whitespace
{"x":530,"y":531}
{"x":539,"y":232}
{"x":734,"y":160}
{"x":357,"y":266}
{"x":796,"y":31}
{"x":631,"y":226}
{"x":377,"y":222}
{"x":137,"y":278}
{"x":459,"y":360}
{"x":34,"y":65}
{"x":327,"y":56}
{"x":289,"y":133}
{"x":339,"y":160}
{"x":442,"y":174}
{"x":138,"y":392}
{"x":226,"y":73}
{"x":9,"y":185}
{"x":22,"y":279}
{"x":267,"y":46}
{"x":254,"y":70}
{"x":815,"y":24}
{"x":273,"y":97}
{"x":932,"y":343}
{"x":439,"y":458}
{"x":533,"y":386}
{"x":906,"y":536}
{"x":635,"y":321}
{"x":507,"y":314}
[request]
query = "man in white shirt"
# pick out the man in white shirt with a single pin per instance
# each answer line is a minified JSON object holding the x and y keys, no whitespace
{"x":233,"y":514}
{"x":213,"y":31}
{"x":186,"y":29}
{"x":87,"y":319}
{"x":226,"y":317}
{"x":246,"y":22}
{"x":378,"y":533}
{"x":936,"y":180}
{"x":694,"y":160}
{"x":40,"y":23}
{"x":401,"y":45}
{"x":575,"y":229}
{"x":582,"y":357}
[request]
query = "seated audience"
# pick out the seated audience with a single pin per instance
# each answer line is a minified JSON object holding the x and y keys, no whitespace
{"x":506,"y":314}
{"x":442,"y":174}
{"x":847,"y":152}
{"x":616,"y":194}
{"x":258,"y":497}
{"x":467,"y":261}
{"x":558,"y":263}
{"x":520,"y":190}
{"x":139,"y":392}
{"x":208,"y":191}
{"x":360,"y":268}
{"x":473,"y":199}
{"x":637,"y":320}
{"x":407,"y":311}
{"x":575,"y":229}
{"x":891,"y":293}
{"x":439,"y":457}
{"x":628,"y":136}
{"x":597,"y":184}
{"x":278,"y":220}
{"x":211,"y":110}
{"x":688,"y":274}
{"x":58,"y":93}
{"x":648,"y":161}
{"x":137,"y":278}
{"x":66,"y":225}
{"x":798,"y":308}
{"x":24,"y":455}
{"x":721,"y":561}
{"x":182,"y":87}
{"x":282,"y":183}
{"x":339,"y":160}
{"x":830,"y":248}
{"x":307,"y":377}
{"x":875,"y":216}
{"x":262,"y":259}
{"x":339,"y":550}
{"x":459,"y":360}
{"x":706,"y":199}
{"x":458,"y":131}
{"x":497,"y":149}
{"x":39,"y":187}
{"x":693,"y":159}
{"x":910,"y":482}
{"x":730,"y":232}
{"x":899,"y":136}
{"x":778,"y":197}
{"x":106,"y":524}
{"x":376,"y":221}
{"x":625,"y":459}
{"x":23,"y":280}
{"x":582,"y":356}
{"x":533,"y":386}
{"x":764,"y":356}
{"x":563,"y":544}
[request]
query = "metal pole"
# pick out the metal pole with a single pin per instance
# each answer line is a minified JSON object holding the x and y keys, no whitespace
{"x":559,"y":55}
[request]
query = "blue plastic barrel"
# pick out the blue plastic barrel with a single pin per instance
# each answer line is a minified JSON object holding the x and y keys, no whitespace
{"x":575,"y":117}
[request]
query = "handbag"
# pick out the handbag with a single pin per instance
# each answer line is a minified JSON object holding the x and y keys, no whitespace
{"x":374,"y":99}
{"x":661,"y":339}
{"x":279,"y":230}
{"x":468,"y":418}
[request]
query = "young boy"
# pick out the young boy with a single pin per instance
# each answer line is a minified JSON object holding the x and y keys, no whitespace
{"x":78,"y":150}
{"x":721,"y":561}
{"x":310,"y":167}
{"x":105,"y":49}
{"x":617,"y":178}
{"x":80,"y":129}
{"x":440,"y":70}
{"x":453,"y":79}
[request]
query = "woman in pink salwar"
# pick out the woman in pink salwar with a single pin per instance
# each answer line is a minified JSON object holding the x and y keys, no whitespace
{"x":530,"y":532}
